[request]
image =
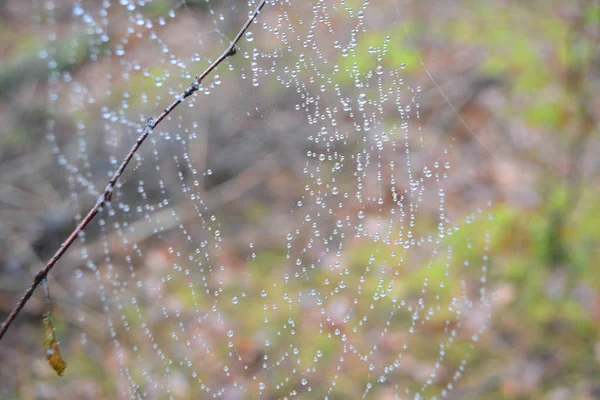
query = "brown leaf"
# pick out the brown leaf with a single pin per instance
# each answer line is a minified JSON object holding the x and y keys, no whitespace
{"x":52,"y":350}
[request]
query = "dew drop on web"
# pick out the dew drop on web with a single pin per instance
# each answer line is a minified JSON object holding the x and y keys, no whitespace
{"x":288,"y":226}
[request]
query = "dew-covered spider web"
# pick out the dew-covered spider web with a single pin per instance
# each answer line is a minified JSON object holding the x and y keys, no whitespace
{"x":287,"y":230}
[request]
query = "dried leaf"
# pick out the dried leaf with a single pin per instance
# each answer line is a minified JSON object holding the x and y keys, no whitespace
{"x":52,"y":350}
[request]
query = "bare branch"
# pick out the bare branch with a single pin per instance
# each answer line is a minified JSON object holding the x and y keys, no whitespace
{"x":150,"y":125}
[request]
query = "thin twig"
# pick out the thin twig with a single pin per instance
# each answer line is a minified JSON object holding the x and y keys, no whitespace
{"x":150,"y":125}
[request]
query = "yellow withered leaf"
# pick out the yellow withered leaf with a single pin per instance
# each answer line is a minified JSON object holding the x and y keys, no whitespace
{"x":52,"y":350}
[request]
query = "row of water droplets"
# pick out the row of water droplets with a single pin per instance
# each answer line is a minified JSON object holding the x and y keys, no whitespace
{"x":329,"y":222}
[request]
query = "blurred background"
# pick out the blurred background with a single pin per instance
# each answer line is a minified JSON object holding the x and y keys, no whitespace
{"x":501,"y":95}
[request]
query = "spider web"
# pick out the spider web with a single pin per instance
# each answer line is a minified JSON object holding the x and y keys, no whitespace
{"x":286,"y":231}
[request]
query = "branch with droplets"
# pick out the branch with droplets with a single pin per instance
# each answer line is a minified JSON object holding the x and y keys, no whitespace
{"x":100,"y":203}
